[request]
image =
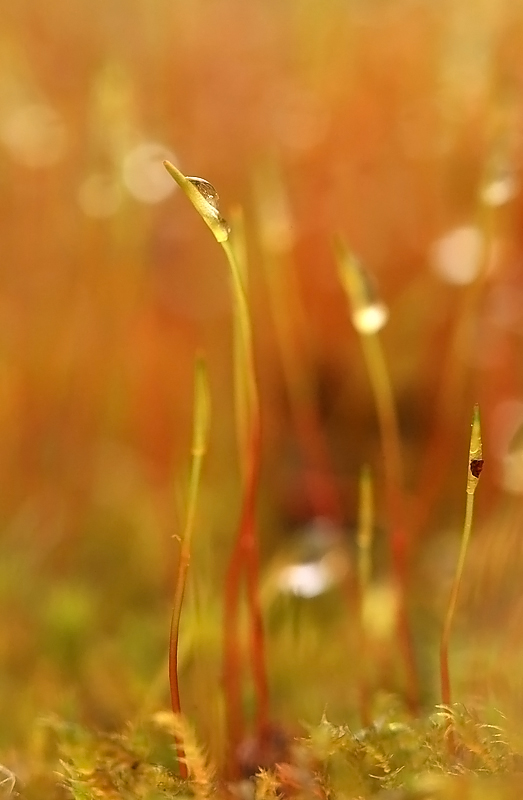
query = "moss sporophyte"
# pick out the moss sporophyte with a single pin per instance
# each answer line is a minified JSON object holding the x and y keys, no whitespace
{"x":244,"y":561}
{"x":475,"y":466}
{"x":421,"y":755}
{"x":368,"y":315}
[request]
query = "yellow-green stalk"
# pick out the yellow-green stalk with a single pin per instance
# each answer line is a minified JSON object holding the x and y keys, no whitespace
{"x":369,"y":315}
{"x":241,"y":390}
{"x":364,"y":542}
{"x":205,"y":199}
{"x":201,"y":420}
{"x":475,"y":465}
{"x":291,"y":329}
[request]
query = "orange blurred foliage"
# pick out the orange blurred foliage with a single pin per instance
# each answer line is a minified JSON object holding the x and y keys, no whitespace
{"x":382,"y":119}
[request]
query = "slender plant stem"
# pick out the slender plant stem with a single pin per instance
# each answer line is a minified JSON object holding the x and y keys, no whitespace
{"x":392,"y":464}
{"x":364,"y":542}
{"x":475,"y":466}
{"x":245,"y":343}
{"x":357,"y":285}
{"x":321,"y":485}
{"x":245,"y":555}
{"x":389,"y":428}
{"x":449,"y":618}
{"x":242,"y":391}
{"x":199,"y":446}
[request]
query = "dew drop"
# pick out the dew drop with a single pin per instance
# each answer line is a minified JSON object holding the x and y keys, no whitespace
{"x":207,"y":191}
{"x":305,"y":580}
{"x":212,"y":200}
{"x":319,"y":563}
{"x":370,"y":318}
{"x":369,"y":313}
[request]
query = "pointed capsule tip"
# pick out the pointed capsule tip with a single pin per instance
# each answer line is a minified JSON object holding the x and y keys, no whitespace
{"x":171,"y":169}
{"x":475,"y":452}
{"x":175,"y":173}
{"x":476,"y":422}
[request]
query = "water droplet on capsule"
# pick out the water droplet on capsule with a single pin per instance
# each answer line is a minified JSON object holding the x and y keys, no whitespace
{"x":369,"y":313}
{"x":370,"y":318}
{"x":212,"y":199}
{"x":208,"y":192}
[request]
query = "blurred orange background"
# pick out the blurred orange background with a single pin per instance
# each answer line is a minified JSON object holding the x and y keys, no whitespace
{"x":397,"y":124}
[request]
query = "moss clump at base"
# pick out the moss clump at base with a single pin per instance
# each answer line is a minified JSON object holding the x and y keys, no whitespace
{"x":450,"y":753}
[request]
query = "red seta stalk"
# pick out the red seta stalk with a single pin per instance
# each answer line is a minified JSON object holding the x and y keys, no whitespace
{"x":244,"y":563}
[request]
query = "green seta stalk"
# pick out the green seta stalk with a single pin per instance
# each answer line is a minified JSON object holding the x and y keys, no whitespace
{"x":475,"y":466}
{"x":200,"y":434}
{"x":364,"y":540}
{"x":369,"y":315}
